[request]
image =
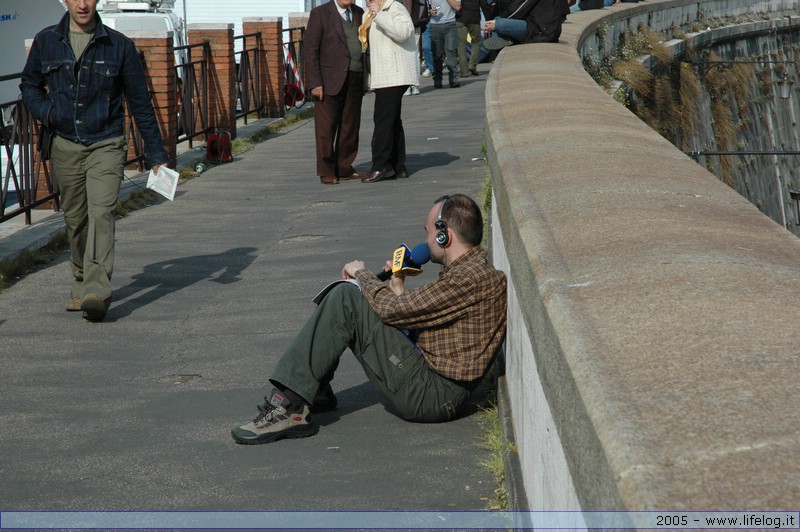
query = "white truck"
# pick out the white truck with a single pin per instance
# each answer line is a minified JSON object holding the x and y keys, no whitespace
{"x":128,"y":16}
{"x":233,"y":11}
{"x":21,"y":20}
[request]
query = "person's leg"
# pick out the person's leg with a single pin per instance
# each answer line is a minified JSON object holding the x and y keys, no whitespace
{"x":387,"y":107}
{"x":475,"y":39}
{"x":461,"y":32}
{"x":438,"y":51}
{"x":347,"y":140}
{"x":104,"y":171}
{"x":68,"y":163}
{"x":414,"y":89}
{"x":327,"y":115}
{"x":451,"y":53}
{"x":427,"y":55}
{"x":398,"y":157}
{"x":512,"y":29}
{"x":391,"y":362}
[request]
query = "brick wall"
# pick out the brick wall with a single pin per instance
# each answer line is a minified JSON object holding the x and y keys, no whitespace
{"x":221,"y":73}
{"x":273,"y":70}
{"x":158,"y":56}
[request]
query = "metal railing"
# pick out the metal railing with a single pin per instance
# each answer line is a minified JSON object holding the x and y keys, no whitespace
{"x":293,"y":45}
{"x":23,"y":169}
{"x":248,"y":77}
{"x":28,"y":182}
{"x":193,"y":92}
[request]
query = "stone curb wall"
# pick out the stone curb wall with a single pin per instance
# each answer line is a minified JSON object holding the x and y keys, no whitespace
{"x":651,"y":351}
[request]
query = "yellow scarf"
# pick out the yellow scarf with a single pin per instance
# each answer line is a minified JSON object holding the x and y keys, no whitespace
{"x":363,"y":30}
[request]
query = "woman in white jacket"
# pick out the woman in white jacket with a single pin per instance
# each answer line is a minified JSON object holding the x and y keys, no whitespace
{"x":394,"y":66}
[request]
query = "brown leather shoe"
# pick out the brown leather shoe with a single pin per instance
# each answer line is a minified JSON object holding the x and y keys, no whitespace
{"x":379,"y":175}
{"x":73,"y":304}
{"x":94,"y":307}
{"x":354,"y":175}
{"x":329,"y":180}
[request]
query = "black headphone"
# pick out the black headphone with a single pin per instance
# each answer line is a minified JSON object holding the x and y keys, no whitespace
{"x":442,"y":237}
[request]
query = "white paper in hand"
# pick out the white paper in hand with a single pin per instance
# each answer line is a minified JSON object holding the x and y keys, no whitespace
{"x":164,"y":182}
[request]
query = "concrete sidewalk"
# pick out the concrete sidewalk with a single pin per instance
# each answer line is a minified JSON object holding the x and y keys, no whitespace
{"x":135,"y":413}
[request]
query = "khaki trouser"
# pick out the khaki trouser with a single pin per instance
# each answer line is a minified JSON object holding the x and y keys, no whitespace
{"x":392,"y":363}
{"x":89,"y":179}
{"x":474,"y":31}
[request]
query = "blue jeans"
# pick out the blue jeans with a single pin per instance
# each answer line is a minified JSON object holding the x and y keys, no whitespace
{"x":511,"y":29}
{"x":427,"y":55}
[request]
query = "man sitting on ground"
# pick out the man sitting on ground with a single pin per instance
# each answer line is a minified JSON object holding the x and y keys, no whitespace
{"x":425,"y":349}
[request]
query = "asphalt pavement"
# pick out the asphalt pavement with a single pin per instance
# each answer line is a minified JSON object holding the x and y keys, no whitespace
{"x":135,"y":413}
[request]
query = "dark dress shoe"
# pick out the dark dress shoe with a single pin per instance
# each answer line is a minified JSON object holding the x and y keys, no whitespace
{"x":354,"y":175}
{"x":402,"y":174}
{"x":379,"y":175}
{"x":329,"y":180}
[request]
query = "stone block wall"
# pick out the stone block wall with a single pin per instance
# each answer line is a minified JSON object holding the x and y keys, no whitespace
{"x":651,"y":325}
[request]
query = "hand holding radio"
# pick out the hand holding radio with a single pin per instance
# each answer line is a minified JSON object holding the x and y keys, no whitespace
{"x":406,"y":262}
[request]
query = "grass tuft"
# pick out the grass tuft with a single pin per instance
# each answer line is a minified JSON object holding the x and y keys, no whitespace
{"x":498,"y":446}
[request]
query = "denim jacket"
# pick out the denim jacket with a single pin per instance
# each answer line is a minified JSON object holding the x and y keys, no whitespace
{"x":91,"y":110}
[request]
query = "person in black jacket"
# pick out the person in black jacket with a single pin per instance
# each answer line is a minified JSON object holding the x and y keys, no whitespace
{"x":78,"y":76}
{"x":526,"y":21}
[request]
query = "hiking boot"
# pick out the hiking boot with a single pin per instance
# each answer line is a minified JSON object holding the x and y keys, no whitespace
{"x":277,"y":419}
{"x":94,"y":308}
{"x":325,"y":400}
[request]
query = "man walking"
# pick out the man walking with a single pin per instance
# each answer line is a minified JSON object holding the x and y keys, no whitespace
{"x":425,"y":349}
{"x":335,"y":75}
{"x":75,"y":80}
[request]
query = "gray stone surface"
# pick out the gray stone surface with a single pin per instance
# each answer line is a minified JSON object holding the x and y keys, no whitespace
{"x":659,"y":305}
{"x":134,"y":413}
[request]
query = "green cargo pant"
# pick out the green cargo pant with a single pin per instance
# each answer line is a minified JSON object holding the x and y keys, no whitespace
{"x":89,"y":178}
{"x":392,"y":363}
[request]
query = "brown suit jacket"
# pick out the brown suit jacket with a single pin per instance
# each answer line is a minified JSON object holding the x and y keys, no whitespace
{"x":327,"y":55}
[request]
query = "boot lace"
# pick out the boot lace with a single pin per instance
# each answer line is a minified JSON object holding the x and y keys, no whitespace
{"x":265,"y":411}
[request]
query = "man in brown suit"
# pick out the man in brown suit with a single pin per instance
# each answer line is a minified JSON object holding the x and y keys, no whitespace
{"x":335,"y":75}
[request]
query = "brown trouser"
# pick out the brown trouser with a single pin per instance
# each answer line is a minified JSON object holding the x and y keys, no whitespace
{"x":337,"y":119}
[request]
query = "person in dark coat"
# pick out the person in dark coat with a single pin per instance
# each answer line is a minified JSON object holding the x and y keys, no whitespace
{"x":525,"y":21}
{"x":335,"y":74}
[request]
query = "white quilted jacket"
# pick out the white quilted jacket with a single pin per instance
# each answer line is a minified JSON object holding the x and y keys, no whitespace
{"x":394,"y":59}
